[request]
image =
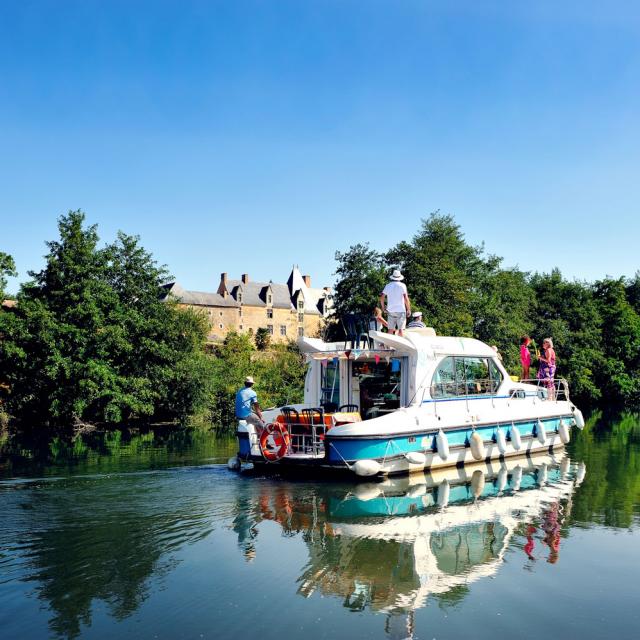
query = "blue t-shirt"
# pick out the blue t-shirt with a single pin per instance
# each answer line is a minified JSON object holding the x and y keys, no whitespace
{"x":244,"y":399}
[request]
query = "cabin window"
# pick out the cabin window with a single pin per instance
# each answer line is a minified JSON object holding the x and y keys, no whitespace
{"x":270,"y":329}
{"x":443,"y":384}
{"x":301,"y":317}
{"x":283,"y":329}
{"x":269,"y":313}
{"x":330,"y":381}
{"x":469,"y":376}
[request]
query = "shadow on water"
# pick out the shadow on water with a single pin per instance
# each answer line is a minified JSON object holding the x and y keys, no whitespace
{"x":110,"y":525}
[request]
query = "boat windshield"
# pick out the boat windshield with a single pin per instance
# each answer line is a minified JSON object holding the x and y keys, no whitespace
{"x":462,"y":376}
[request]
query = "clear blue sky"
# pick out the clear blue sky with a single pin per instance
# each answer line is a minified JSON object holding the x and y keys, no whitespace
{"x":245,"y":136}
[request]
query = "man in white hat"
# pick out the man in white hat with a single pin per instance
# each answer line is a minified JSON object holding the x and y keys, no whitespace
{"x":398,"y":304}
{"x":416,"y":321}
{"x":247,"y":404}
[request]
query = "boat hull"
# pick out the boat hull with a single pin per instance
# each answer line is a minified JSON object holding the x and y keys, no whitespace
{"x":416,"y":451}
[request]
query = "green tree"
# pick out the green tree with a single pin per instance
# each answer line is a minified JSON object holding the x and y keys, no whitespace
{"x":441,"y":271}
{"x":92,"y":341}
{"x":503,"y":301}
{"x":361,"y":275}
{"x":568,"y":313}
{"x":7,"y":269}
{"x":619,"y":376}
{"x":262,"y":339}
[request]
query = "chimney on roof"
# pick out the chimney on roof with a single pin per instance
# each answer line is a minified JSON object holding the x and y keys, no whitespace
{"x":245,"y":278}
{"x":222,"y":287}
{"x":307,"y":280}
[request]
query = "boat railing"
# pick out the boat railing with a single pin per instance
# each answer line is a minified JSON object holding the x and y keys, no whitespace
{"x":306,"y":439}
{"x":555,"y":390}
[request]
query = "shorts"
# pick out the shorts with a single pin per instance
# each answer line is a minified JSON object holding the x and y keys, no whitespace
{"x":397,"y":321}
{"x":253,"y":419}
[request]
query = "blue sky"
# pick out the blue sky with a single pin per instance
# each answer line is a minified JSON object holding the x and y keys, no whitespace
{"x":245,"y":136}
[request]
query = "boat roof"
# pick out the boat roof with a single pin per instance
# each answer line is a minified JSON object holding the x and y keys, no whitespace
{"x":413,"y":342}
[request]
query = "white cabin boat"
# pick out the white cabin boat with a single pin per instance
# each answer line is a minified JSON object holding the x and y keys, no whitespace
{"x":396,"y":405}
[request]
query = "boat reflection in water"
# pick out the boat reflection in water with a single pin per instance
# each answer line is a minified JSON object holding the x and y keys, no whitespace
{"x":389,"y":545}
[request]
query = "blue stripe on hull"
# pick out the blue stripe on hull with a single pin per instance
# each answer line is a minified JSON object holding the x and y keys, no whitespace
{"x":362,"y":448}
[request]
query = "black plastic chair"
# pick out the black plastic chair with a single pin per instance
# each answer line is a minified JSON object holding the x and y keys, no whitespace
{"x":313,"y":416}
{"x":329,"y":407}
{"x":349,"y":408}
{"x":356,"y":330}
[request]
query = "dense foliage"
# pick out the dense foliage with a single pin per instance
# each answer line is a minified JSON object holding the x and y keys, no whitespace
{"x":90,"y":339}
{"x":279,"y":375}
{"x":462,"y":291}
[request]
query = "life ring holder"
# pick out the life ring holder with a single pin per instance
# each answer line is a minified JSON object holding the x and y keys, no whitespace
{"x":281,"y":439}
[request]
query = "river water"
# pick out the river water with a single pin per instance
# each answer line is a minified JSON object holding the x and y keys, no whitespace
{"x":151,"y":536}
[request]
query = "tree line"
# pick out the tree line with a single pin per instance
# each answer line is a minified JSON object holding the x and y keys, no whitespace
{"x":91,"y":340}
{"x":462,"y":291}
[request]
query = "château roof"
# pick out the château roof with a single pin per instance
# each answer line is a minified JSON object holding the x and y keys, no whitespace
{"x":284,"y":296}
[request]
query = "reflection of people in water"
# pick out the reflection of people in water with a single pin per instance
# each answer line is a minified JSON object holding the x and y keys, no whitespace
{"x":551,"y":527}
{"x":530,"y":544}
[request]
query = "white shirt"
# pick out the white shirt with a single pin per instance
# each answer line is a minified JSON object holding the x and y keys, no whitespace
{"x":395,"y":292}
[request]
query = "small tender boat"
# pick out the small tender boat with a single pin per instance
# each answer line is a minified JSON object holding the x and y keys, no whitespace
{"x":396,"y":405}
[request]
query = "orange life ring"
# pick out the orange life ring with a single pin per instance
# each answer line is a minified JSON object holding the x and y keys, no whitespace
{"x":280,"y":441}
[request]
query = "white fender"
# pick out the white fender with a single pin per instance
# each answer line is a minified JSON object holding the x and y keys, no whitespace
{"x":580,"y":473}
{"x":234,"y":463}
{"x":366,"y":467}
{"x":443,"y":445}
{"x":477,"y":446}
{"x":541,"y":432}
{"x":516,"y":440}
{"x":579,"y":418}
{"x":516,"y":478}
{"x":416,"y":457}
{"x":477,"y":483}
{"x":563,"y":432}
{"x":501,"y":441}
{"x":542,"y":474}
{"x":502,"y":478}
{"x":443,"y":494}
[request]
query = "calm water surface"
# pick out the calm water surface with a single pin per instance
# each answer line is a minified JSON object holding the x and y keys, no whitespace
{"x":152,"y":537}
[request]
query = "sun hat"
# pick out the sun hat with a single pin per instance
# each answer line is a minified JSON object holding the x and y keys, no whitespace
{"x":416,"y":314}
{"x":248,"y":380}
{"x":396,"y":275}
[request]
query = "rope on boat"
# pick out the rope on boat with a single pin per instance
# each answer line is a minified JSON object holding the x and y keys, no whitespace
{"x":339,"y":454}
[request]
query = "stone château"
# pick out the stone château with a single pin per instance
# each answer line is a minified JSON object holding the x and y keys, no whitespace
{"x":287,"y":311}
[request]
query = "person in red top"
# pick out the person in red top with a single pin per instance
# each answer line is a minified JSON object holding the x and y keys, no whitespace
{"x":525,"y":356}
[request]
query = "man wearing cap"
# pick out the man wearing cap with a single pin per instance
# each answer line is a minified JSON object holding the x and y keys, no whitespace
{"x":398,"y":304}
{"x":416,"y":321}
{"x":247,"y":403}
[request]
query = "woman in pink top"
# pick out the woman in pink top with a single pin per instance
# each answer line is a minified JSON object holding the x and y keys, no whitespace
{"x":547,"y":366}
{"x":525,"y":356}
